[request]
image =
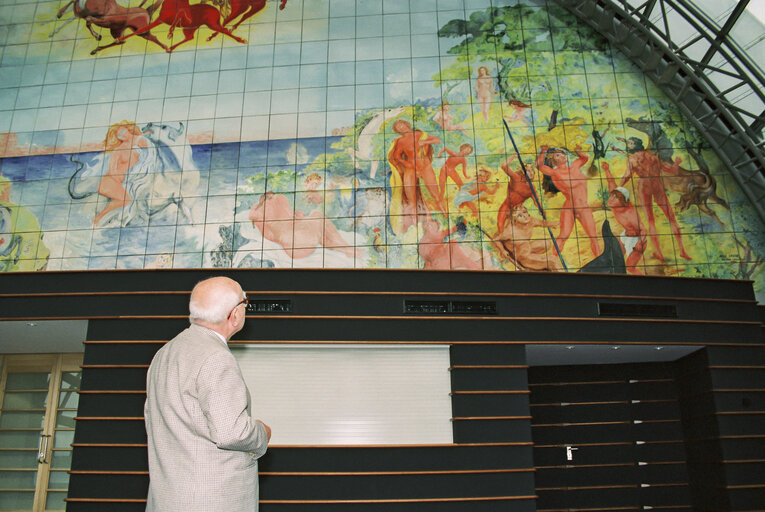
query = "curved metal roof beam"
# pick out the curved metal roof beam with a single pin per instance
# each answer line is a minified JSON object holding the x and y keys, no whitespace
{"x":734,"y":133}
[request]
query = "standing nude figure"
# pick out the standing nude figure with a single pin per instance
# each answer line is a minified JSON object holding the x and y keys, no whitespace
{"x":573,"y":185}
{"x":449,"y":168}
{"x":484,"y":91}
{"x":633,"y":240}
{"x":411,"y":157}
{"x":648,"y":168}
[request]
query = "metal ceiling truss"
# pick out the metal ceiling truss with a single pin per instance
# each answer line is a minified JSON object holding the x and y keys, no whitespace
{"x":735,"y":133}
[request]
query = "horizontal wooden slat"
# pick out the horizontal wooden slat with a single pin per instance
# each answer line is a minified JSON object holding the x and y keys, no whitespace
{"x":112,"y":392}
{"x":576,"y":383}
{"x":572,"y":404}
{"x":429,"y":318}
{"x":324,"y":446}
{"x":109,"y":418}
{"x":260,"y":293}
{"x":427,"y":342}
{"x":336,"y":473}
{"x":490,"y":367}
{"x":334,"y":502}
{"x":104,"y":500}
{"x":583,"y":424}
{"x":592,"y":509}
{"x":566,"y":466}
{"x":507,"y":392}
{"x":393,"y":501}
{"x":486,"y":418}
{"x":588,"y":487}
{"x":112,"y":366}
{"x":739,"y":413}
{"x":613,"y":443}
{"x":740,"y":367}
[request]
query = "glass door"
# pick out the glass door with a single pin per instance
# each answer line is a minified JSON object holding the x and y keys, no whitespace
{"x":38,"y":403}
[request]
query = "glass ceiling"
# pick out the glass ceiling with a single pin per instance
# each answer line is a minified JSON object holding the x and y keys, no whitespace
{"x":692,"y":26}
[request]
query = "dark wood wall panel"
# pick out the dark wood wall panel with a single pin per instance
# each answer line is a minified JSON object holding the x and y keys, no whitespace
{"x":617,"y":421}
{"x":737,"y":391}
{"x":492,"y":459}
{"x":665,"y":436}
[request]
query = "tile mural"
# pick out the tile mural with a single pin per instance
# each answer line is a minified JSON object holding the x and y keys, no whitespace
{"x":349,"y":134}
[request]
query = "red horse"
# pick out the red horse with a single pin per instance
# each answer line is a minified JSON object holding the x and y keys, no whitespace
{"x":247,"y":7}
{"x":178,"y":13}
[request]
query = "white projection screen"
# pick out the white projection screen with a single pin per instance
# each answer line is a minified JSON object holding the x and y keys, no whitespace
{"x":350,"y":394}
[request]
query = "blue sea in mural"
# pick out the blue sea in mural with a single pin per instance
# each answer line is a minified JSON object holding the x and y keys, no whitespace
{"x":187,"y":211}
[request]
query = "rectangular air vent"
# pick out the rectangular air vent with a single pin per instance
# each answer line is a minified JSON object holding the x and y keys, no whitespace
{"x":432,"y":307}
{"x":270,"y":306}
{"x":474,"y":308}
{"x":450,"y":307}
{"x":637,"y":310}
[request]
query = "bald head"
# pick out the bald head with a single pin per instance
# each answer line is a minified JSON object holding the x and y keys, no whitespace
{"x":212,"y":300}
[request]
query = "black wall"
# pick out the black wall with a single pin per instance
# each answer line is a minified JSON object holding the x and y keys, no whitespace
{"x":491,"y":465}
{"x":624,"y":426}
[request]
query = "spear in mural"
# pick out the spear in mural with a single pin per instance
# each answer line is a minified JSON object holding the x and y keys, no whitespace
{"x":534,"y":195}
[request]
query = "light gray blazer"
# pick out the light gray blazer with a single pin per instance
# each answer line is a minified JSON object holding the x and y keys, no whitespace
{"x":203,"y":444}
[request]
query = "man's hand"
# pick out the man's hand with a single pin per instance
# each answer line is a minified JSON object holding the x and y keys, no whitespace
{"x":268,"y":430}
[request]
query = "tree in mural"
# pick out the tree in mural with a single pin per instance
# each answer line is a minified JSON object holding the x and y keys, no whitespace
{"x":530,"y":55}
{"x":492,"y":36}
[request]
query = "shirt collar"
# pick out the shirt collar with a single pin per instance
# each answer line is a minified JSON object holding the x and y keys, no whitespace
{"x":216,"y":333}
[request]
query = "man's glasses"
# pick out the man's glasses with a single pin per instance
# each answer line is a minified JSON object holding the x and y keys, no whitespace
{"x":244,"y":301}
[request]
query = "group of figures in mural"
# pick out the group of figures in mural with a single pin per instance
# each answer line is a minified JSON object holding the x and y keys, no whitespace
{"x":502,"y":173}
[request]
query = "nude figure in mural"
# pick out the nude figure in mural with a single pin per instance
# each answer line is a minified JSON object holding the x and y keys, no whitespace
{"x":648,"y":168}
{"x":121,"y":142}
{"x":411,"y":157}
{"x":515,"y":242}
{"x":298,"y":233}
{"x":471,"y":192}
{"x":573,"y":185}
{"x":484,"y":91}
{"x":440,"y":254}
{"x":443,"y":117}
{"x":449,"y":169}
{"x":518,"y":113}
{"x":633,"y":240}
{"x":518,"y":190}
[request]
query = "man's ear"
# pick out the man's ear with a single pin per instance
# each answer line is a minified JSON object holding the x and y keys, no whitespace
{"x":241,"y":312}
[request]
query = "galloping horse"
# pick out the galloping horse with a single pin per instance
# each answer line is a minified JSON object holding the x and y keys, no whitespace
{"x":109,"y":14}
{"x":179,"y":13}
{"x":247,"y":7}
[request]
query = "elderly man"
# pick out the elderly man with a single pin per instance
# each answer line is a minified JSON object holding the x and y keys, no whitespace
{"x":203,"y":444}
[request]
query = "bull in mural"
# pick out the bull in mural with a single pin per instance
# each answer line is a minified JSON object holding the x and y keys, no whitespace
{"x":142,"y":172}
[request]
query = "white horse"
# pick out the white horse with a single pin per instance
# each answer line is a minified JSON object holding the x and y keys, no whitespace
{"x":164,"y":172}
{"x":364,"y":150}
